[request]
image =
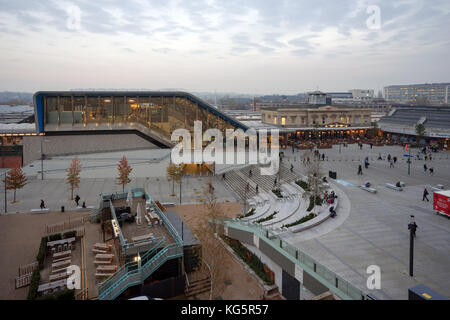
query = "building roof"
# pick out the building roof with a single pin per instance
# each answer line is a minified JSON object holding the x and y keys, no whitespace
{"x":435,"y":119}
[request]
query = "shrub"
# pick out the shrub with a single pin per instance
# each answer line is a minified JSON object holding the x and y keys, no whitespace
{"x":54,"y":237}
{"x":304,"y":219}
{"x":267,"y":218}
{"x":254,"y":262}
{"x":311,"y":202}
{"x":70,"y":234}
{"x":251,"y":212}
{"x":34,"y":285}
{"x":65,"y":294}
{"x":277,"y":192}
{"x":302,"y":184}
{"x":42,"y":252}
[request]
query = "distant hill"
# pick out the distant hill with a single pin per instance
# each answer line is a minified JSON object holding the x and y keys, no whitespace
{"x":19,"y":98}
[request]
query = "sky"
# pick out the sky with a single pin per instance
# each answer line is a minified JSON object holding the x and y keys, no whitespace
{"x":242,"y":46}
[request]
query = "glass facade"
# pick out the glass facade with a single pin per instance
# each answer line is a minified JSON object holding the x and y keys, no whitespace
{"x":163,"y":114}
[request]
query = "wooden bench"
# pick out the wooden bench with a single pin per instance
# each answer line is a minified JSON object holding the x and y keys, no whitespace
{"x":61,"y":259}
{"x":61,"y":264}
{"x":107,"y":268}
{"x":369,"y":189}
{"x":393,"y":187}
{"x":144,"y":237}
{"x":98,"y":251}
{"x":62,"y":254}
{"x":40,"y":210}
{"x":103,"y":275}
{"x":103,"y":246}
{"x":23,"y":280}
{"x":103,"y":256}
{"x":104,"y":262}
{"x":58,"y":276}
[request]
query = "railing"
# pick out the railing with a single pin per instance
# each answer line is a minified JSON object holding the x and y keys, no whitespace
{"x":135,"y":272}
{"x":335,"y":283}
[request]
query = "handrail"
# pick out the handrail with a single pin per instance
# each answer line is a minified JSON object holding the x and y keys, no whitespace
{"x":306,"y":262}
{"x":143,"y":272}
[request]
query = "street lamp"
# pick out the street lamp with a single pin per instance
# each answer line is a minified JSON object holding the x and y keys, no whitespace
{"x":412,"y":226}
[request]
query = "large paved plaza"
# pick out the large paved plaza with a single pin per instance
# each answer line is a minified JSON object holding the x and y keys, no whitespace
{"x":370,"y":229}
{"x":374,"y":228}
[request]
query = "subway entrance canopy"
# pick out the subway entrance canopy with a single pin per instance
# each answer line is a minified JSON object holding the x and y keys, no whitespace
{"x":153,"y":115}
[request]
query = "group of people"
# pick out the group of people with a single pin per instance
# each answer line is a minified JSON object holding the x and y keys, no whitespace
{"x":77,"y":200}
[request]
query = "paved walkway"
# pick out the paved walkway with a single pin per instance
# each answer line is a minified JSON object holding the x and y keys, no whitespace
{"x":375,"y":231}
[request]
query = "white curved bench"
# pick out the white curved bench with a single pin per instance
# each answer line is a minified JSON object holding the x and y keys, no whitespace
{"x":286,"y":210}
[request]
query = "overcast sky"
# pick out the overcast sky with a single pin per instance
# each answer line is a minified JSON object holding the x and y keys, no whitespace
{"x":243,"y":46}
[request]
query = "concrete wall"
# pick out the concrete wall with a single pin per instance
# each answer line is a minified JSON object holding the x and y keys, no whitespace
{"x":78,"y":144}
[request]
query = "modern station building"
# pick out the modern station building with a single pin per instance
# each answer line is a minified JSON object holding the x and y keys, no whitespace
{"x":83,"y":121}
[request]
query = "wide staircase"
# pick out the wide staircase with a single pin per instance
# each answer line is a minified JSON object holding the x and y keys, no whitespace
{"x":134,"y":273}
{"x":197,"y":286}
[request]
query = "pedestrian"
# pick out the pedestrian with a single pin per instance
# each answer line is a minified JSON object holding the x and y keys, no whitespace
{"x":360,"y":146}
{"x":332,"y":212}
{"x":389,"y":158}
{"x":257,"y":189}
{"x":247,"y":187}
{"x":414,"y":228}
{"x":223,"y":176}
{"x":42,"y":204}
{"x":395,"y":159}
{"x":275,"y":181}
{"x":360,"y":170}
{"x":250,"y":173}
{"x":371,"y":145}
{"x":323,"y":156}
{"x":77,"y":199}
{"x":84,"y":204}
{"x":379,"y":156}
{"x":430,"y":157}
{"x":426,"y":157}
{"x":425,"y":168}
{"x":425,"y":195}
{"x":292,"y":167}
{"x":431,"y":172}
{"x":391,"y":163}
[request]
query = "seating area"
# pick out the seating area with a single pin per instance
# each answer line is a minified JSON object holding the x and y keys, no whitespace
{"x":150,"y":215}
{"x":103,"y":260}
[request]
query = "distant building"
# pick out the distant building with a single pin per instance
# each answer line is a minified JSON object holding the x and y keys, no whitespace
{"x":318,"y":98}
{"x":430,"y":93}
{"x":361,"y":94}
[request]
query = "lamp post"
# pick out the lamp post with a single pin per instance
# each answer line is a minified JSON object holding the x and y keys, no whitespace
{"x":6,"y":209}
{"x":412,"y":226}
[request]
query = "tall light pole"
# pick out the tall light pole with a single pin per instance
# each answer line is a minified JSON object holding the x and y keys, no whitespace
{"x":412,"y":233}
{"x":42,"y":161}
{"x":6,"y":208}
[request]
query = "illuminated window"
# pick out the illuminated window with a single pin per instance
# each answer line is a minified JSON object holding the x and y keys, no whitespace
{"x":283,"y":121}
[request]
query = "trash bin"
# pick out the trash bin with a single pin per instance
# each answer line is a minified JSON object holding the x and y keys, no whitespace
{"x":62,"y":209}
{"x":332,"y":174}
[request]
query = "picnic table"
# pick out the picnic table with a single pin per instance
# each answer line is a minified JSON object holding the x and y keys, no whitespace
{"x":107,"y":268}
{"x":102,"y":246}
{"x":62,"y":254}
{"x":144,"y":237}
{"x":103,"y":256}
{"x":58,"y":276}
{"x":58,"y":242}
{"x":61,"y":264}
{"x":52,"y":285}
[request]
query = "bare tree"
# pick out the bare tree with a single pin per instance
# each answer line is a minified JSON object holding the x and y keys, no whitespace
{"x":124,"y":170}
{"x":314,"y":174}
{"x":174,"y":174}
{"x":208,"y":232}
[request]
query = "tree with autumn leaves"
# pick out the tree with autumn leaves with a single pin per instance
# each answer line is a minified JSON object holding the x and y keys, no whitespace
{"x":15,"y":180}
{"x":73,"y":174}
{"x":124,"y":172}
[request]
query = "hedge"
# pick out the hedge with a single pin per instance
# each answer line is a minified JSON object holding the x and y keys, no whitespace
{"x":311,"y":202}
{"x":65,"y":294}
{"x":34,"y":285}
{"x":267,"y":218}
{"x":255,"y":263}
{"x":302,"y":184}
{"x":277,"y":192}
{"x":304,"y":219}
{"x":54,"y":237}
{"x":251,"y":212}
{"x":42,"y":252}
{"x":70,"y":234}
